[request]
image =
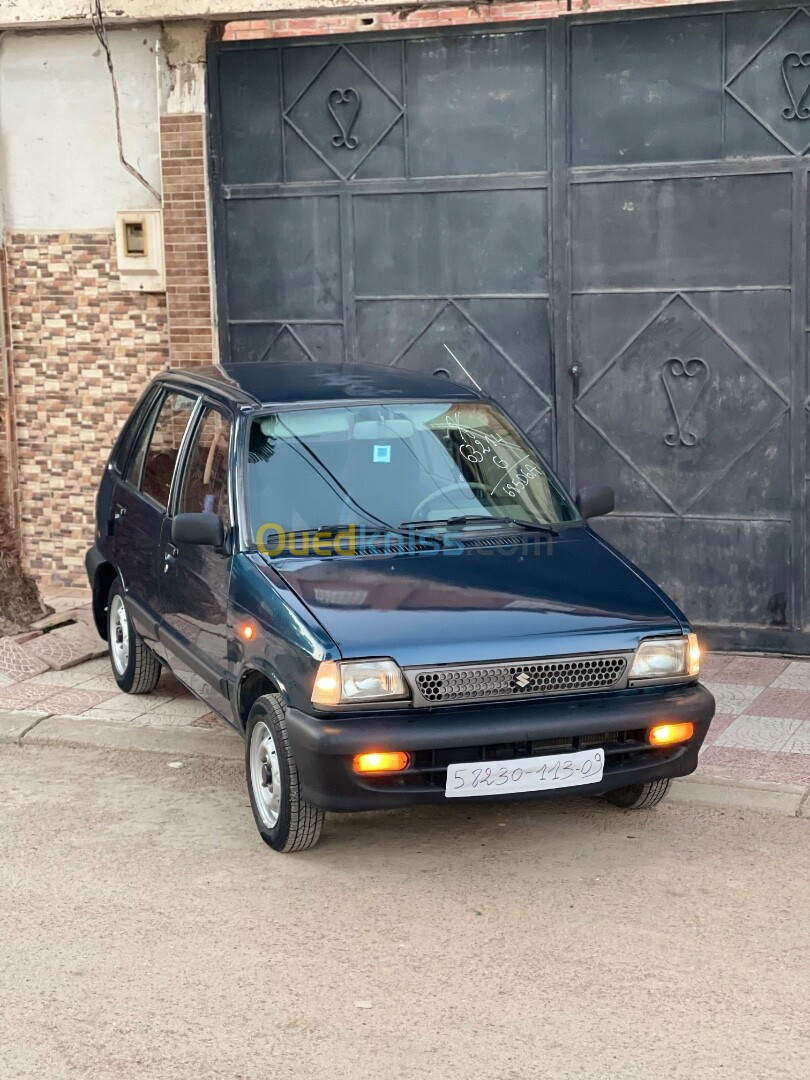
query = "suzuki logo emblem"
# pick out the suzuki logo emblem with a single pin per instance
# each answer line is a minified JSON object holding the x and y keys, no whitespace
{"x":522,"y":679}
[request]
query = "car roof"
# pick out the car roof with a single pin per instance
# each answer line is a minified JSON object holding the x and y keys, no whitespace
{"x":268,"y":383}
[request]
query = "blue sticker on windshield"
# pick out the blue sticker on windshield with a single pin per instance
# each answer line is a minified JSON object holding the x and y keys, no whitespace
{"x":382,"y":454}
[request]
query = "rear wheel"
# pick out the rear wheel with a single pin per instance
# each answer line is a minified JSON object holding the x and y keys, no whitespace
{"x":285,"y":820}
{"x":135,"y":667}
{"x":638,"y":796}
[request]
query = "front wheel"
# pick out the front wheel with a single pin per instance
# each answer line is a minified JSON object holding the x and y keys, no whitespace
{"x":285,"y":820}
{"x":135,"y":667}
{"x":638,"y":796}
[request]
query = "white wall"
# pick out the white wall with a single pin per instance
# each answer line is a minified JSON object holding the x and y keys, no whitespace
{"x":59,"y":166}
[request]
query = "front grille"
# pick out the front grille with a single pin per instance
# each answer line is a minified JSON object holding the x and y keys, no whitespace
{"x":489,"y":682}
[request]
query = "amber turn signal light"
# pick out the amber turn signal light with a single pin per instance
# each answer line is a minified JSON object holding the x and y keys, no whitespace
{"x":667,"y":734}
{"x":327,"y":684}
{"x":394,"y":761}
{"x":248,"y":631}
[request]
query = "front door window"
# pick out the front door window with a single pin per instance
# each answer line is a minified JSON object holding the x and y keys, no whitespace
{"x":205,"y":484}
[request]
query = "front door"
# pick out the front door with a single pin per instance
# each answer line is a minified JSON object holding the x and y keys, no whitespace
{"x":195,"y":579}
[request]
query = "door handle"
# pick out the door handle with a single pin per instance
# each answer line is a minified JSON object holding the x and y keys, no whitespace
{"x":575,"y":371}
{"x":120,"y":512}
{"x":169,"y":556}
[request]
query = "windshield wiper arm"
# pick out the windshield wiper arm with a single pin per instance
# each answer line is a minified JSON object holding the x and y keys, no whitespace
{"x":330,"y":530}
{"x":479,"y":519}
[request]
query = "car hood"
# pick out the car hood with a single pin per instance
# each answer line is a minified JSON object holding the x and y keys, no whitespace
{"x":572,"y":595}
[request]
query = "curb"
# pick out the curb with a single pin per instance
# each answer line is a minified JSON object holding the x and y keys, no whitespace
{"x":43,"y":729}
{"x":15,"y":725}
{"x":789,"y":800}
{"x":77,"y":731}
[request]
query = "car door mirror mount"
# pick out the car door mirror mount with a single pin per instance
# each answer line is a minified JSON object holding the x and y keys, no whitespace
{"x":596,"y":501}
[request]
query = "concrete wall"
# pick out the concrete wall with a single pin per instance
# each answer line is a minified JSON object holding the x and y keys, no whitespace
{"x":18,"y":13}
{"x":59,"y":166}
{"x":22,"y":13}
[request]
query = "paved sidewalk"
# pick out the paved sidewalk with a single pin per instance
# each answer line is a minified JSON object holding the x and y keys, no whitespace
{"x":761,"y":731}
{"x":89,"y":690}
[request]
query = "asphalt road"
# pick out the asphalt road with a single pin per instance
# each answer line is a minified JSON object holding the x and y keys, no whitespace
{"x":145,"y":931}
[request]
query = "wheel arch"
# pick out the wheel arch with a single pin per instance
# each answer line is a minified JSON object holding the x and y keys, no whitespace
{"x":254,"y":682}
{"x":103,"y":577}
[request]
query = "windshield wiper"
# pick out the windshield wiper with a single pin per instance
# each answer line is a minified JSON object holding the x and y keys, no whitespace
{"x":331,"y":530}
{"x":479,"y":519}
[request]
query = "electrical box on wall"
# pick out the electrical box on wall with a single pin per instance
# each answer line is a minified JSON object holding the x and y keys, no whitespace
{"x":139,"y":248}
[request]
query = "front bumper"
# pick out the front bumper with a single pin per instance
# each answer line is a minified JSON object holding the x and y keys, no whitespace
{"x":324,"y":746}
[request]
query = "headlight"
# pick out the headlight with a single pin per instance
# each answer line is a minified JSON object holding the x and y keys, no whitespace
{"x":661,"y":658}
{"x":344,"y":682}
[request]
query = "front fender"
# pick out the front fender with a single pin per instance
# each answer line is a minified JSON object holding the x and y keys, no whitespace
{"x":288,"y":644}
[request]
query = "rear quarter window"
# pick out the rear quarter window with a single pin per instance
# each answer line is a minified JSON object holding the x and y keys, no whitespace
{"x":133,"y":467}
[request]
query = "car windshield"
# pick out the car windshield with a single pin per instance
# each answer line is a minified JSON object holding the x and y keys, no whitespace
{"x":392,"y":466}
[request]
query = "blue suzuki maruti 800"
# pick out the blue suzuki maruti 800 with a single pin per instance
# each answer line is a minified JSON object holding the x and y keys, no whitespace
{"x":376,"y":579}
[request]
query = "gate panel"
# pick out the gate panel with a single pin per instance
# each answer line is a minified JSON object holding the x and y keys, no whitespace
{"x":504,"y":73}
{"x":343,"y":112}
{"x":395,"y":210}
{"x":646,"y":91}
{"x":688,"y":291}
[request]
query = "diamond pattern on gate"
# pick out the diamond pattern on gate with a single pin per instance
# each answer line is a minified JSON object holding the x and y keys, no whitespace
{"x":773,"y":85}
{"x":286,"y":346}
{"x":681,"y":403}
{"x":343,"y":113}
{"x":474,"y":358}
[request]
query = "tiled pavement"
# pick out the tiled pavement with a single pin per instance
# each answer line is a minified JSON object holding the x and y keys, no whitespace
{"x":88,"y":689}
{"x":63,"y":670}
{"x":761,"y":730}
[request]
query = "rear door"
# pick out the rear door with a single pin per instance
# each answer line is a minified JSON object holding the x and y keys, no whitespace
{"x":140,"y":504}
{"x":196,"y":578}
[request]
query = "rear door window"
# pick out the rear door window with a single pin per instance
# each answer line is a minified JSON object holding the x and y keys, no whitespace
{"x":153,"y":464}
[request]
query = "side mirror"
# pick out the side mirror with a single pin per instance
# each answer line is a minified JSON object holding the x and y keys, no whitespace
{"x":198,"y":529}
{"x":596,"y":502}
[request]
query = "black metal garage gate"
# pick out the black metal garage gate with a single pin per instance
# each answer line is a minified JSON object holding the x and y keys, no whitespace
{"x":604,"y":218}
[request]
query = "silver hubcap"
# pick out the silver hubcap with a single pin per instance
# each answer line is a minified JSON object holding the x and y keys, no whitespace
{"x":119,"y":635}
{"x":265,"y":774}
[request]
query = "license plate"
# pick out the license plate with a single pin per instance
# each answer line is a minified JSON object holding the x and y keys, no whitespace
{"x":525,"y":774}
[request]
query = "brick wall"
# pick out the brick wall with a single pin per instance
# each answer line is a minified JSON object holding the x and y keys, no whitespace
{"x":483,"y":12}
{"x":82,"y":350}
{"x":185,"y":225}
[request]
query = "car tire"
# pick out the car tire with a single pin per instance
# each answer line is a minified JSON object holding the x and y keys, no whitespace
{"x":285,"y":820}
{"x":135,"y":667}
{"x":638,"y":796}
